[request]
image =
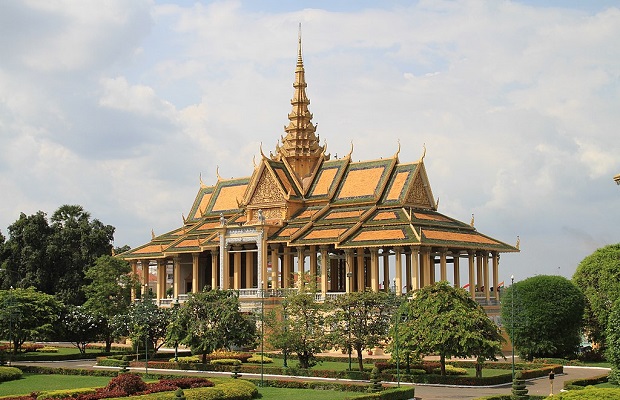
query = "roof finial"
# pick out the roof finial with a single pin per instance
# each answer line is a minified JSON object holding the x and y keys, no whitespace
{"x":299,"y":60}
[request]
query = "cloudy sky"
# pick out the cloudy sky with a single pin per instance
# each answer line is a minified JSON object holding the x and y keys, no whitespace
{"x":120,"y":106}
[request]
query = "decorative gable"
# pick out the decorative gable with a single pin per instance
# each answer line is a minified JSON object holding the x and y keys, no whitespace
{"x":267,"y":190}
{"x":419,"y":195}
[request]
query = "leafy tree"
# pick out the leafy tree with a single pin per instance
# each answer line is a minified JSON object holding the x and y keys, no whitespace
{"x":144,"y":322}
{"x":109,"y":293}
{"x":26,"y":259}
{"x":52,"y":256}
{"x":79,"y":327}
{"x":302,"y":332}
{"x":613,"y":343}
{"x":548,"y":313}
{"x":598,"y":277}
{"x":359,"y":321}
{"x":211,"y":320}
{"x":27,"y":314}
{"x":444,"y":320}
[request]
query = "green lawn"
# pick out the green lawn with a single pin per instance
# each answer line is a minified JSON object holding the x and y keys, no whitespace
{"x":37,"y":382}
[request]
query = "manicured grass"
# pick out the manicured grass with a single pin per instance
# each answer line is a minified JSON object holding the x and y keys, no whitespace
{"x":38,"y":382}
{"x":269,"y":393}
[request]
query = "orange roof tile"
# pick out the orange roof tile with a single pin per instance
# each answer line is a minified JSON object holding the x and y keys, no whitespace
{"x":324,"y":234}
{"x":457,"y":237}
{"x":154,"y":248}
{"x":385,"y":215}
{"x":188,"y":243}
{"x":227,"y":197}
{"x":344,"y":214}
{"x":361,"y":182}
{"x":307,"y":214}
{"x":324,"y":182}
{"x":288,"y":231}
{"x":397,"y":186}
{"x":431,"y":217}
{"x":379,"y":234}
{"x":209,"y":225}
{"x":204,"y":202}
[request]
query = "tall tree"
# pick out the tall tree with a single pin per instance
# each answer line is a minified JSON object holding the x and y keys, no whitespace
{"x":27,"y":314}
{"x":211,"y":320}
{"x":548,"y":315}
{"x":77,"y":241}
{"x":444,"y":320}
{"x":108,"y":293}
{"x":598,"y":277}
{"x":26,"y":261}
{"x":359,"y":321}
{"x":303,"y":331}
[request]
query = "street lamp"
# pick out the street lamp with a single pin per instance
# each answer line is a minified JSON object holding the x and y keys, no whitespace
{"x":262,"y":332}
{"x":175,"y":306}
{"x":349,"y":276}
{"x":284,"y":316}
{"x":146,"y":333}
{"x":512,"y":323}
{"x":396,"y":334}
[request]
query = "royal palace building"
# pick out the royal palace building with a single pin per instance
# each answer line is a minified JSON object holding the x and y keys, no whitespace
{"x":304,"y":218}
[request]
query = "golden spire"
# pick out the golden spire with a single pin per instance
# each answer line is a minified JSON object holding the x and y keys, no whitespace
{"x":301,"y":146}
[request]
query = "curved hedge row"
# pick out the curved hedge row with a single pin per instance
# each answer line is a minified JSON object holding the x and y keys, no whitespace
{"x":233,"y":390}
{"x":589,"y":393}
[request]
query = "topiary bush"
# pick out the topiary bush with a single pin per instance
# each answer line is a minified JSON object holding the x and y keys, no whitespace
{"x":187,"y":359}
{"x":226,"y":361}
{"x":451,"y":370}
{"x":10,"y":374}
{"x":47,"y":349}
{"x":225,"y":354}
{"x":519,"y":390}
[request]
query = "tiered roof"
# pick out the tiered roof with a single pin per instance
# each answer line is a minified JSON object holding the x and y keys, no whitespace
{"x":304,"y":198}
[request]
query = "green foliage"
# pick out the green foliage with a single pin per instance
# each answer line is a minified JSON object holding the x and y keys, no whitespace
{"x":127,"y":383}
{"x":613,"y":343}
{"x":79,"y":326}
{"x":52,"y":256}
{"x":451,"y":370}
{"x":598,"y":277}
{"x":444,"y":320}
{"x":144,"y":323}
{"x":27,"y":314}
{"x":108,"y":293}
{"x":211,"y":320}
{"x":301,"y":329}
{"x":359,"y":321}
{"x":548,"y":313}
{"x":10,"y":373}
{"x":186,"y":359}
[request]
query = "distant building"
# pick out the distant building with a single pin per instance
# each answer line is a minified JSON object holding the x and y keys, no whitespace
{"x":304,"y":217}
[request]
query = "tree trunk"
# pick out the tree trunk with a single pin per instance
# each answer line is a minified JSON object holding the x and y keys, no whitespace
{"x":479,"y":365}
{"x":442,"y":360}
{"x":360,"y":362}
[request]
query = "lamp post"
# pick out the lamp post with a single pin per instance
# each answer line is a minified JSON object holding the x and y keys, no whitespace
{"x":175,"y":305}
{"x":146,"y":333}
{"x":349,"y":276}
{"x":396,"y":334}
{"x":284,"y":316}
{"x":262,"y":332}
{"x":512,"y":322}
{"x":10,"y":324}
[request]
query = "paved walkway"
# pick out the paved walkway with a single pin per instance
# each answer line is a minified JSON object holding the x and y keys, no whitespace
{"x":539,"y":386}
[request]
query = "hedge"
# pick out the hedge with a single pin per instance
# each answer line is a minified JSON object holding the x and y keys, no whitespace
{"x":314,"y":385}
{"x":578,"y":384}
{"x":509,"y":397}
{"x":589,"y":393}
{"x":232,"y":390}
{"x":64,"y":393}
{"x":403,"y":393}
{"x":10,"y":374}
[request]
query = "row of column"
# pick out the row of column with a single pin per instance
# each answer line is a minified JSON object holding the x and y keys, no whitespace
{"x":345,"y":271}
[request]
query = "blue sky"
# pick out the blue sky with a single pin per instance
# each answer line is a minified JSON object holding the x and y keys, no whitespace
{"x":121,"y":106}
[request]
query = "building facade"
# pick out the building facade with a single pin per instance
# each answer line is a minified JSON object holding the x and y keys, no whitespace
{"x":303,"y":218}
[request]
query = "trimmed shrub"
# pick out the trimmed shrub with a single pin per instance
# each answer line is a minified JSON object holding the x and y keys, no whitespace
{"x":111,"y":362}
{"x":30,"y":347}
{"x":589,"y":393}
{"x":10,"y":374}
{"x":187,"y":359}
{"x":451,"y":370}
{"x":256,"y":359}
{"x":127,"y":383}
{"x":47,"y":349}
{"x":64,"y":393}
{"x":578,"y":384}
{"x":226,"y":361}
{"x":389,"y":394}
{"x":237,"y":355}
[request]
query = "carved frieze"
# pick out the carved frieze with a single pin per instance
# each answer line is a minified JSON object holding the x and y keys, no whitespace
{"x":267,"y":190}
{"x":417,"y":194}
